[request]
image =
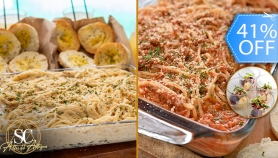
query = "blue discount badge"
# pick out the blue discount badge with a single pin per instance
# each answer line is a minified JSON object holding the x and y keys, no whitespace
{"x":252,"y":38}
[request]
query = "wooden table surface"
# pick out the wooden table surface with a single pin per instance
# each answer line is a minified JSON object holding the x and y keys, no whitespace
{"x":150,"y":148}
{"x":116,"y":150}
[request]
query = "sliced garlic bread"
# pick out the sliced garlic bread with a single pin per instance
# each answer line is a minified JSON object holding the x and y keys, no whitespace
{"x":27,"y":36}
{"x":66,"y":36}
{"x":111,"y":54}
{"x":75,"y":59}
{"x":3,"y":65}
{"x":9,"y":45}
{"x":94,"y":35}
{"x":28,"y":60}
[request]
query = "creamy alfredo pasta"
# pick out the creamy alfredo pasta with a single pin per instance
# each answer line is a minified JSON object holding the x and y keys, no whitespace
{"x":56,"y":99}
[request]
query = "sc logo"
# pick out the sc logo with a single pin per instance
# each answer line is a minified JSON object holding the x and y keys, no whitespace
{"x":22,"y":137}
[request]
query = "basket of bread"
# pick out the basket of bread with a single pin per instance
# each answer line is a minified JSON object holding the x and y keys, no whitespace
{"x":35,"y":43}
{"x":19,"y":49}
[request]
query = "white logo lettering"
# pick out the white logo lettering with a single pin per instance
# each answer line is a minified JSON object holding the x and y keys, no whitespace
{"x":23,"y":136}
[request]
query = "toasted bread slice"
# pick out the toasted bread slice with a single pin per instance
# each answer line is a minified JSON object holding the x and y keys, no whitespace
{"x":9,"y":45}
{"x":94,"y":35}
{"x":75,"y":59}
{"x":66,"y":36}
{"x":111,"y":54}
{"x":28,"y":60}
{"x":3,"y":65}
{"x":27,"y":36}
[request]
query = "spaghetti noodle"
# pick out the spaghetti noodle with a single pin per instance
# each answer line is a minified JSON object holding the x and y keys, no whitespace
{"x":184,"y":62}
{"x":68,"y":98}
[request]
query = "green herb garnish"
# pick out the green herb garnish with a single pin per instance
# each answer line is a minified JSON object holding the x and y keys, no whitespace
{"x":184,"y":76}
{"x":204,"y":74}
{"x":239,"y":90}
{"x":248,"y":75}
{"x":267,"y":86}
{"x":258,"y":103}
{"x":224,"y":107}
{"x":152,"y":53}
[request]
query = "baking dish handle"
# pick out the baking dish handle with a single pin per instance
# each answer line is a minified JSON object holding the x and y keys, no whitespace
{"x":162,"y":130}
{"x":162,"y":124}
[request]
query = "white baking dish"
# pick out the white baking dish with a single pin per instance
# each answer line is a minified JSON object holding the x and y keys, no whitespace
{"x":84,"y":135}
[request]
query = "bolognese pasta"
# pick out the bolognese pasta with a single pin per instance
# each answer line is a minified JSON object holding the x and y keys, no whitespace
{"x":184,"y":62}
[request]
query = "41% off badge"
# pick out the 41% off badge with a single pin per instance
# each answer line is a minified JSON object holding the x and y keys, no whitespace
{"x":253,"y":38}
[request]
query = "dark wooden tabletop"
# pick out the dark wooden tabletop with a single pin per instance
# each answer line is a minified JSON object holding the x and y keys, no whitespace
{"x":116,"y":150}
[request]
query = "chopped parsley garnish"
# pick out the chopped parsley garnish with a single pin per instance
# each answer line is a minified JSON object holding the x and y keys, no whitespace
{"x":204,"y":74}
{"x":147,"y":57}
{"x":153,"y":53}
{"x":18,"y":94}
{"x":224,"y":107}
{"x":184,"y":76}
